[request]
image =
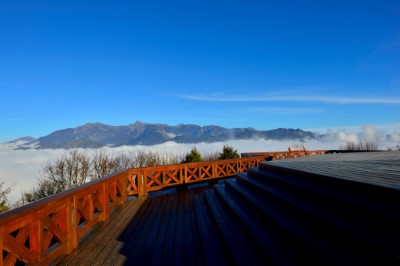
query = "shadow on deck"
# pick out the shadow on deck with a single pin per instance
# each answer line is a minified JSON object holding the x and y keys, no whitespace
{"x":269,"y":215}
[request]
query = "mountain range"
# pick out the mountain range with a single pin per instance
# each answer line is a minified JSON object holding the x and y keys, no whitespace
{"x":95,"y":135}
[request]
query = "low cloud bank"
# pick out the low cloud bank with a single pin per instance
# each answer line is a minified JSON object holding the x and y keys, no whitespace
{"x":385,"y":139}
{"x":21,"y":168}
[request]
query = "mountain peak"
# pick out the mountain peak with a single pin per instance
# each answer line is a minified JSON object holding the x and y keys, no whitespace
{"x":93,"y":135}
{"x":139,"y":123}
{"x":23,"y":139}
{"x":91,"y":125}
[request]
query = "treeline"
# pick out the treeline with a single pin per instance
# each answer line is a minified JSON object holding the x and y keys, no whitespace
{"x":76,"y":167}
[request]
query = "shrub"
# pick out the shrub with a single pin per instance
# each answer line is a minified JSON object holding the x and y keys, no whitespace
{"x":193,"y":156}
{"x":3,"y":197}
{"x":228,"y":152}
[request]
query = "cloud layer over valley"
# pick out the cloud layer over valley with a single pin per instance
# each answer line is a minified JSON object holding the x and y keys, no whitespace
{"x":21,"y":168}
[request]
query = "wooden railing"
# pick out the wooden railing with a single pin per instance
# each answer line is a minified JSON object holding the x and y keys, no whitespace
{"x":144,"y":180}
{"x":280,"y":155}
{"x":40,"y":232}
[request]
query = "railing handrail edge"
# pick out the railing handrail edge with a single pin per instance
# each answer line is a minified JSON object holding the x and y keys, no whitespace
{"x":38,"y":204}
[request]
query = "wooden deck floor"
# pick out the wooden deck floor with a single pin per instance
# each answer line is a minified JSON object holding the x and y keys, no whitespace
{"x":103,"y":243}
{"x":263,"y":217}
{"x":376,"y":168}
{"x":163,"y":229}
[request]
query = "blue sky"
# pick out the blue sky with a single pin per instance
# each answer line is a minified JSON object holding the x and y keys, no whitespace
{"x":261,"y":64}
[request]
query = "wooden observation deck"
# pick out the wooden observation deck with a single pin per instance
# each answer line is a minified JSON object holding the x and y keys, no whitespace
{"x":332,"y":209}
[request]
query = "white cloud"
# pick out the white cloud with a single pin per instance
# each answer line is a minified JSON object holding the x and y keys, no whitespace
{"x":291,"y":98}
{"x":344,"y":137}
{"x":384,"y":137}
{"x":283,"y":110}
{"x":170,"y":135}
{"x":22,"y":167}
{"x":370,"y":133}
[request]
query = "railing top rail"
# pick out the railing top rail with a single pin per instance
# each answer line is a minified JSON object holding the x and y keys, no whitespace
{"x":36,"y":205}
{"x":285,"y":152}
{"x":197,"y":163}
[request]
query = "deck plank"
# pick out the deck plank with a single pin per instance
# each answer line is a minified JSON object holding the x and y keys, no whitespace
{"x":114,"y":254}
{"x":169,"y":237}
{"x":376,"y":168}
{"x":134,"y":245}
{"x":102,"y":237}
{"x":157,"y":247}
{"x":148,"y":251}
{"x":102,"y":249}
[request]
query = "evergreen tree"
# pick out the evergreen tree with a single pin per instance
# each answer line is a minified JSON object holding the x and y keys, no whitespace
{"x":228,"y":152}
{"x":193,"y":156}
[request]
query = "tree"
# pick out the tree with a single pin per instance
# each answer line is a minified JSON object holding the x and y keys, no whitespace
{"x":360,"y":146}
{"x":43,"y":189}
{"x":102,"y":164}
{"x":4,"y":191}
{"x":193,"y":156}
{"x":71,"y":170}
{"x":228,"y":152}
{"x":76,"y":167}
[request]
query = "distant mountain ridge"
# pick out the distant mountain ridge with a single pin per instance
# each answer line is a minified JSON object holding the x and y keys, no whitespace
{"x":95,"y":135}
{"x":23,"y":139}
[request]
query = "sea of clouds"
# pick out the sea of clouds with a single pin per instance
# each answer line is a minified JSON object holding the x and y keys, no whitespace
{"x":21,"y":168}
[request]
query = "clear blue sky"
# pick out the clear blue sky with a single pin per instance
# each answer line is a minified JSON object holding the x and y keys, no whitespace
{"x":261,"y":64}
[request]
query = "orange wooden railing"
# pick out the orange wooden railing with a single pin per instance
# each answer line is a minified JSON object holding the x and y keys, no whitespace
{"x":280,"y":155}
{"x":40,"y":232}
{"x":143,"y":180}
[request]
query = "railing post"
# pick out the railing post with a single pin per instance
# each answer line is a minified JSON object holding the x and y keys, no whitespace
{"x":183,"y":175}
{"x":104,"y":200}
{"x":73,"y":229}
{"x":214,"y":169}
{"x":36,"y":237}
{"x":141,"y":184}
{"x":124,"y":184}
{"x":1,"y":245}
